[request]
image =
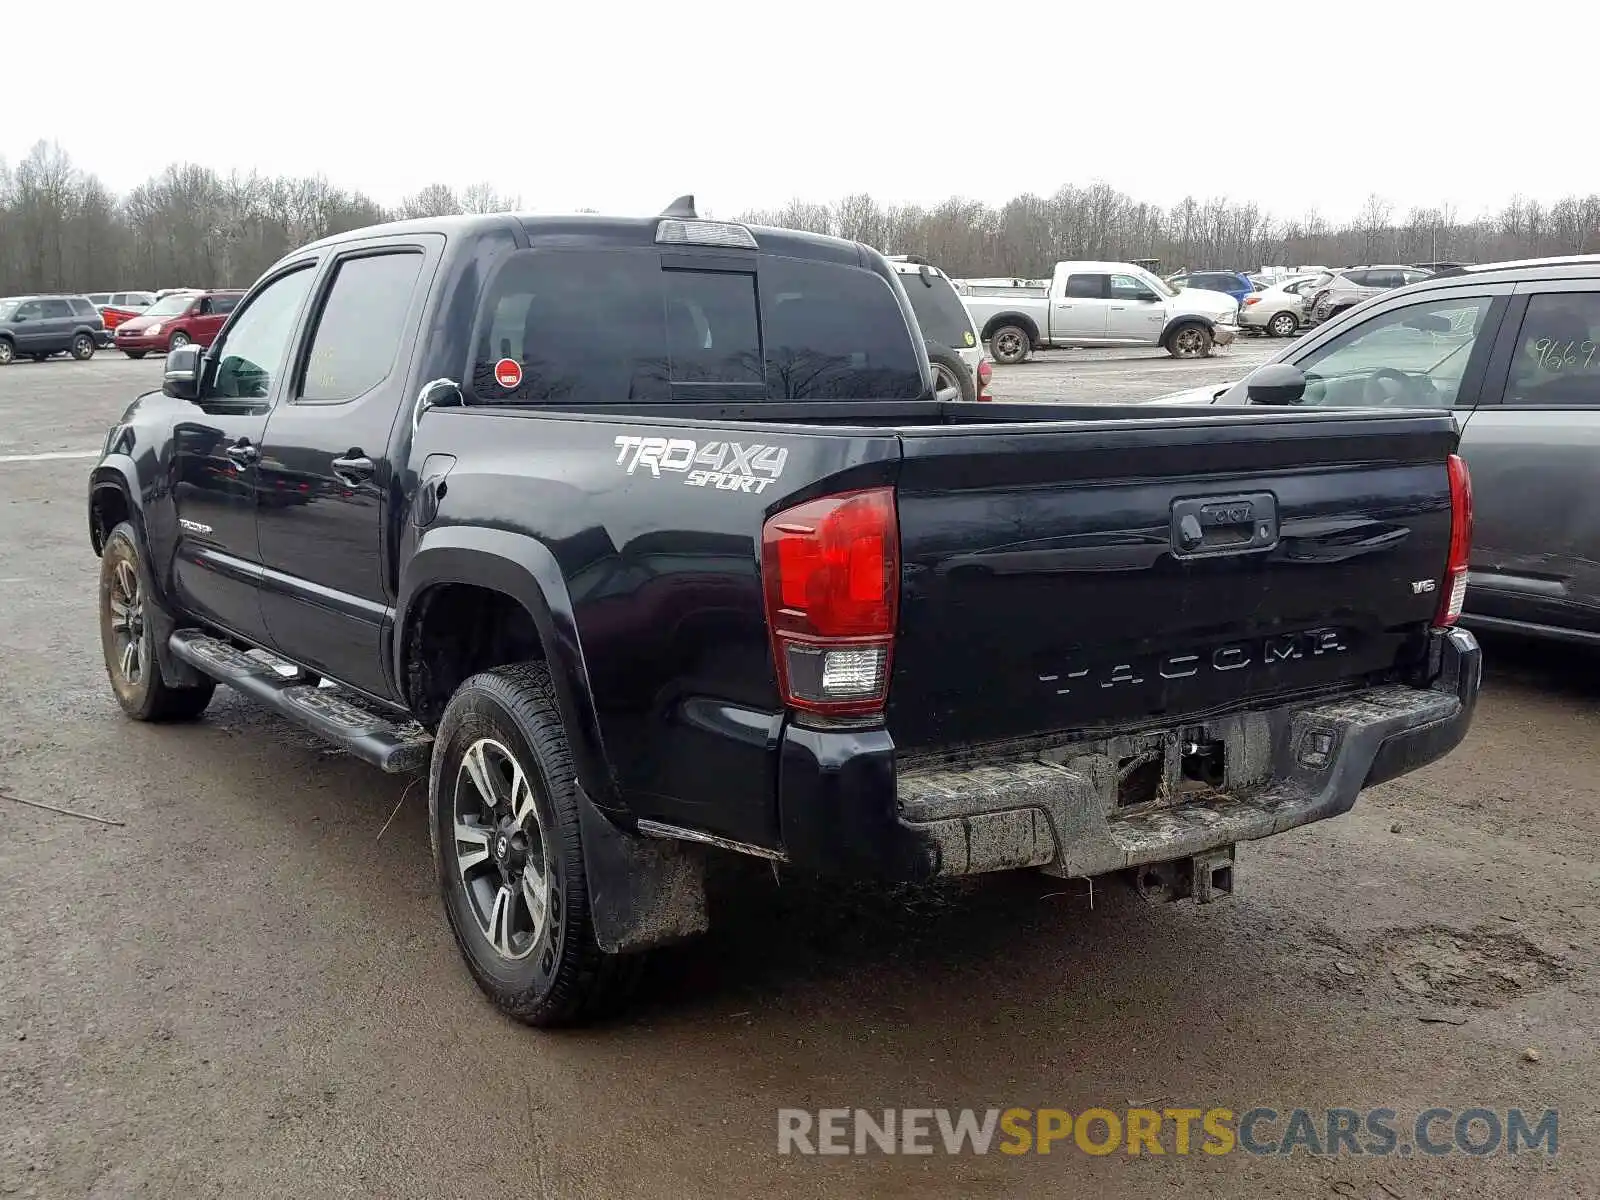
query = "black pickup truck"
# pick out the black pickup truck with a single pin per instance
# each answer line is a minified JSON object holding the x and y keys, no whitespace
{"x":647,"y":537}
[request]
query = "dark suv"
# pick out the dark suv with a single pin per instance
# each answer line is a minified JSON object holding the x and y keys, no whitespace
{"x":39,"y":326}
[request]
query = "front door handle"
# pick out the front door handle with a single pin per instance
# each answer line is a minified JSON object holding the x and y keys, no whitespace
{"x":243,"y":454}
{"x":354,"y":467}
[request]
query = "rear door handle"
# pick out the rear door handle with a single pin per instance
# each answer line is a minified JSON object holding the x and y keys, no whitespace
{"x":354,"y":467}
{"x":243,"y":454}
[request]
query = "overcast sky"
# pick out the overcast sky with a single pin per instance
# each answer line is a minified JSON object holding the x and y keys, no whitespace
{"x":620,"y":107}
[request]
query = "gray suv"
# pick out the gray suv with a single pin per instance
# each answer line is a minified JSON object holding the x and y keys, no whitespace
{"x":40,"y":326}
{"x":1514,"y":349}
{"x":1349,"y":286}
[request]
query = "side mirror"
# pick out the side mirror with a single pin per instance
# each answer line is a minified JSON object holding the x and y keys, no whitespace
{"x":1149,"y":297}
{"x":182,"y":378}
{"x":1276,"y":383}
{"x":19,"y":318}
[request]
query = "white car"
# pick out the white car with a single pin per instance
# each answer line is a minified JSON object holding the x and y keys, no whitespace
{"x":946,"y":325}
{"x":1097,"y":304}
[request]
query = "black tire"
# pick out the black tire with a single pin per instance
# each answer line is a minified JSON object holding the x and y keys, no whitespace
{"x":127,"y":637}
{"x":950,"y":371}
{"x":8,"y":352}
{"x":135,"y":353}
{"x":1189,"y":340}
{"x":1283,"y":324}
{"x":83,"y":347}
{"x":1010,"y":345}
{"x":550,"y":972}
{"x":178,"y":341}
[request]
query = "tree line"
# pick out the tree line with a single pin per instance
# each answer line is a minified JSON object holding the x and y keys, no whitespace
{"x":61,"y":229}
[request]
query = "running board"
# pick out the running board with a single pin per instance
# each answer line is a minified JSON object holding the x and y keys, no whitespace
{"x":329,"y":712}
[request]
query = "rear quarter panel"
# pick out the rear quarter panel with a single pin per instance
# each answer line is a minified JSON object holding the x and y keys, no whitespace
{"x":660,"y":562}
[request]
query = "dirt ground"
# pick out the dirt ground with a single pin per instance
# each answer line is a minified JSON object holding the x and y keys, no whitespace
{"x":240,"y":984}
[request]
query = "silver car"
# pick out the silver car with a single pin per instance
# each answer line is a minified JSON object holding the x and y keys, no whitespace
{"x":1514,"y":349}
{"x":1349,"y":286}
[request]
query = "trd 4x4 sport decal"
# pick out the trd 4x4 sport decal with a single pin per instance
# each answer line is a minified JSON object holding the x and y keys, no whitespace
{"x":726,"y":466}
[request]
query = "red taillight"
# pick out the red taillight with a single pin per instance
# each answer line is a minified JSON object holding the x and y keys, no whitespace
{"x":1455,"y":575}
{"x":985,"y":374}
{"x":831,"y":571}
{"x":1249,"y":300}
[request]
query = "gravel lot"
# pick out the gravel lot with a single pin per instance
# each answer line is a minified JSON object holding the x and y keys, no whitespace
{"x":244,"y":986}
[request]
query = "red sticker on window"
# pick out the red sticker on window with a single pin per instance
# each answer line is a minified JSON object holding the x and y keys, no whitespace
{"x":508,"y":373}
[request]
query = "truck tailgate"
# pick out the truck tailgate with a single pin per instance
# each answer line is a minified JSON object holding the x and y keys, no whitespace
{"x":1071,"y":577}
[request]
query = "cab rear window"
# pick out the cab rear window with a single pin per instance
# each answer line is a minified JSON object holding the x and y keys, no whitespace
{"x":588,"y":327}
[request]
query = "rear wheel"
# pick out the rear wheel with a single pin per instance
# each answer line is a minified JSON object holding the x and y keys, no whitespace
{"x":950,"y":372}
{"x":1189,"y":341}
{"x":127,"y":637}
{"x":1283,"y":325}
{"x":178,"y":341}
{"x":82,"y":347}
{"x":1009,"y":345}
{"x":503,"y":809}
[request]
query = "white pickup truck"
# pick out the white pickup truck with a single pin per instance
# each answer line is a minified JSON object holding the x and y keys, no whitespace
{"x":1097,"y":304}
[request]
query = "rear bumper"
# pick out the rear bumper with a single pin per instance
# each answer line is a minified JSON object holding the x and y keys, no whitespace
{"x":845,"y":807}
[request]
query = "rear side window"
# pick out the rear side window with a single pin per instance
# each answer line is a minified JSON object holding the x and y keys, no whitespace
{"x":56,"y":308}
{"x":615,"y":326}
{"x":359,"y":329}
{"x":1086,"y":287}
{"x":222,"y":305}
{"x":1558,"y":352}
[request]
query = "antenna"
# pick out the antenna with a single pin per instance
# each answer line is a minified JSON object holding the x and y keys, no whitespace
{"x":682,"y":207}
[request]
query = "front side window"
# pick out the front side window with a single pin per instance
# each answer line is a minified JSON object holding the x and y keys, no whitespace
{"x":358,"y":332}
{"x":1086,"y":287}
{"x":1412,"y":357}
{"x":1557,"y":361}
{"x":1127,"y":287}
{"x":253,"y":354}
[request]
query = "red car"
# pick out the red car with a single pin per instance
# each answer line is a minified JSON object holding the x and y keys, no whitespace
{"x":176,"y":320}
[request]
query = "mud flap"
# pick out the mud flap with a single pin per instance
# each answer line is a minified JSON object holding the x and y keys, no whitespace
{"x":643,"y":893}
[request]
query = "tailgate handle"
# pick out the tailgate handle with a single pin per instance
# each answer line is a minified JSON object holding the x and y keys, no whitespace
{"x":1213,"y":526}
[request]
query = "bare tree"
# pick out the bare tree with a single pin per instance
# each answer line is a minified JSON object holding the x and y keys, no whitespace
{"x":61,"y":228}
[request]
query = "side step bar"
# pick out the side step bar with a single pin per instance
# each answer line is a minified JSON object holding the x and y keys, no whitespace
{"x":329,"y":712}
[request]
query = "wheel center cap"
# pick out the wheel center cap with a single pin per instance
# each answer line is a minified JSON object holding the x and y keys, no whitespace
{"x":502,"y":847}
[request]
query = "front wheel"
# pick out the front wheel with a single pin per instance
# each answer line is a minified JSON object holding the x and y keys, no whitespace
{"x":1283,"y":325}
{"x":1189,"y":341}
{"x":1009,"y":345}
{"x":7,"y":352}
{"x":127,"y":637}
{"x":82,"y":347}
{"x":179,"y":341}
{"x":503,"y":815}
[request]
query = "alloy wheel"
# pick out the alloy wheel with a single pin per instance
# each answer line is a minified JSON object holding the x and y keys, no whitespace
{"x":502,"y":854}
{"x":126,"y":599}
